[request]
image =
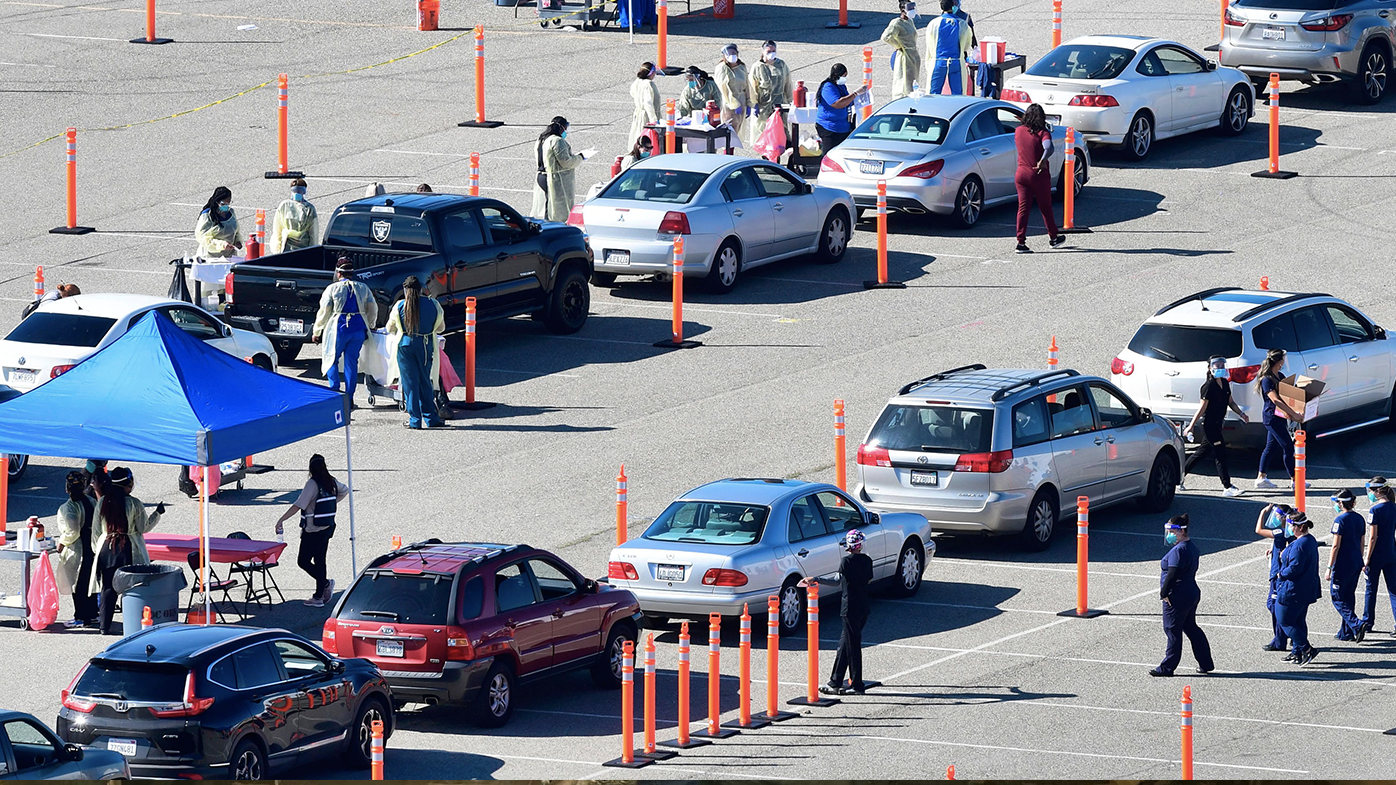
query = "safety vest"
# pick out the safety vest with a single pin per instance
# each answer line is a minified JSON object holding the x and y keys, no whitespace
{"x":948,"y":38}
{"x":322,"y":517}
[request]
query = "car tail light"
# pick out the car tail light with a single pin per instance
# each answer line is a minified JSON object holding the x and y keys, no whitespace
{"x":1327,"y":24}
{"x":192,"y":705}
{"x":458,"y":646}
{"x":674,"y":222}
{"x":327,"y":639}
{"x":73,"y":702}
{"x":228,"y":286}
{"x":59,"y":370}
{"x":991,"y":462}
{"x":1121,"y":367}
{"x":717,"y":577}
{"x":1015,"y":95}
{"x":873,"y":456}
{"x":1093,"y":100}
{"x":1232,"y":20}
{"x":574,"y":218}
{"x":1244,"y":375}
{"x":829,"y":165}
{"x":622,"y":571}
{"x":924,"y":171}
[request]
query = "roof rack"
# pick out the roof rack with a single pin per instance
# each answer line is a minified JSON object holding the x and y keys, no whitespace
{"x":771,"y":480}
{"x":1259,"y":309}
{"x":1202,"y":295}
{"x":1031,"y":382}
{"x":937,"y":376}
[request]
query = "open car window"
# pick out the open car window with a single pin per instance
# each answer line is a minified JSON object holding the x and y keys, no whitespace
{"x":667,"y":186}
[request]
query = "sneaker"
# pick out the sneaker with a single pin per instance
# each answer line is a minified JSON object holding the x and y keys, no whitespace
{"x":829,"y":689}
{"x":1160,"y":672}
{"x":1308,"y":656}
{"x":315,"y":602}
{"x":1265,"y":482}
{"x":1058,"y":241}
{"x":1291,"y":657}
{"x":1289,"y":486}
{"x":1022,"y":248}
{"x":329,"y":591}
{"x":1272,"y":647}
{"x":1232,"y":492}
{"x":1205,"y":671}
{"x":1361,"y":633}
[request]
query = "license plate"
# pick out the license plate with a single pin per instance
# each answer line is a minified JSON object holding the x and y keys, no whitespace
{"x":1054,"y":119}
{"x":292,"y":325}
{"x":669,"y":572}
{"x":22,"y":377}
{"x":925,"y":478}
{"x":1272,"y":33}
{"x":871,"y":167}
{"x":125,"y":747}
{"x":618,"y":257}
{"x":390,"y":649}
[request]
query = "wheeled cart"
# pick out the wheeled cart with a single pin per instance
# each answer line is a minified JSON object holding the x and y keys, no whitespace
{"x":18,"y":605}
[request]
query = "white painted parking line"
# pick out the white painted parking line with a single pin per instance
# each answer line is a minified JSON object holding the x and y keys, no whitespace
{"x":689,"y":309}
{"x":489,"y":157}
{"x":78,"y":37}
{"x":1072,"y":570}
{"x":29,"y":65}
{"x":1201,"y":717}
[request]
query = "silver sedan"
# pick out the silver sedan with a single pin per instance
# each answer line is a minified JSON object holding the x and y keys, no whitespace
{"x":732,"y":213}
{"x":944,"y":154}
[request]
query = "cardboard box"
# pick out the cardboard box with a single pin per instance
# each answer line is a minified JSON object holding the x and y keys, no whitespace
{"x":1301,"y":393}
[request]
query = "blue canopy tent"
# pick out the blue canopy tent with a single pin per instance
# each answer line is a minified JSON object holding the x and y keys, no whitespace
{"x":159,"y":395}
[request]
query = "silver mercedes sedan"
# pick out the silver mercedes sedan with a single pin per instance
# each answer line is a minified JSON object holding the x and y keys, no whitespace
{"x":945,"y":154}
{"x":732,"y":213}
{"x":739,"y":541}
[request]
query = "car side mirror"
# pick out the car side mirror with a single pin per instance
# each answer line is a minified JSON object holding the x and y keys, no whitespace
{"x":227,"y":331}
{"x":1146,"y":415}
{"x":1378,"y":332}
{"x":874,"y":519}
{"x":809,"y":189}
{"x":337,"y":667}
{"x":533,"y":229}
{"x":1211,"y":65}
{"x":72,"y":752}
{"x":590,"y":586}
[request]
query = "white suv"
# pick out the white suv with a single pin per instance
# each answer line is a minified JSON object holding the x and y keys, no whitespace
{"x":1324,"y":337}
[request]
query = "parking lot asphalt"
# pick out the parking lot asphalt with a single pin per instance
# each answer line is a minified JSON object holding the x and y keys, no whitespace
{"x":979,"y":670}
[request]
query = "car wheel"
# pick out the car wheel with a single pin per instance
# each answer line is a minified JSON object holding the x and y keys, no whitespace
{"x":1372,"y":70}
{"x":651,"y":622}
{"x":571,"y":298}
{"x":607,"y":674}
{"x":360,"y":749}
{"x":1139,"y":139}
{"x":906,"y":581}
{"x":1079,"y":174}
{"x":833,"y":238}
{"x":969,"y":203}
{"x":1041,"y":523}
{"x":727,"y":263}
{"x":288,"y":353}
{"x":792,"y":607}
{"x":496,"y":702}
{"x":603,"y":280}
{"x":1236,"y":115}
{"x":248,"y":762}
{"x":19,"y":464}
{"x":1163,"y":483}
{"x":264,"y":362}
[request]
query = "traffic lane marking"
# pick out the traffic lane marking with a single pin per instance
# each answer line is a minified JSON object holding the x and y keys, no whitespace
{"x":944,"y":559}
{"x":1201,"y":715}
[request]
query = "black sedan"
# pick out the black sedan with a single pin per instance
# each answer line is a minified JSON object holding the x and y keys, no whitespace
{"x":224,"y":702}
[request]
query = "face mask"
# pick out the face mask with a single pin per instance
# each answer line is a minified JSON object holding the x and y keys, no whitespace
{"x":1371,"y":497}
{"x":226,"y":208}
{"x":1170,"y":538}
{"x":1338,"y":508}
{"x":1273,"y":522}
{"x":770,"y":57}
{"x":842,"y":81}
{"x":1220,"y":373}
{"x":911,"y":13}
{"x":91,"y":467}
{"x":564,"y":134}
{"x":1289,"y":530}
{"x":732,"y":59}
{"x":644,"y":153}
{"x":693,"y":83}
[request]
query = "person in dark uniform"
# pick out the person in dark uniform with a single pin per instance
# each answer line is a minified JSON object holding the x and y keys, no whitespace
{"x":1216,"y":399}
{"x":1381,"y":549}
{"x":316,"y":506}
{"x":855,"y":573}
{"x":1345,"y":564}
{"x":1297,"y":587}
{"x":113,"y":553}
{"x":1180,"y":594}
{"x":1271,"y":524}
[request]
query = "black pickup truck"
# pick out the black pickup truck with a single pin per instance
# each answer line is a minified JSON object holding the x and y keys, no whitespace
{"x":458,"y":246}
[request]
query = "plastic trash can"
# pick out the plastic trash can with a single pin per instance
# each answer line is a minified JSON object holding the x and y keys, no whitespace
{"x":154,"y":585}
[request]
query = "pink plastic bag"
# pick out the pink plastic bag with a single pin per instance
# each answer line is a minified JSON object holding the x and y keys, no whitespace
{"x":43,"y":596}
{"x":450,"y":380}
{"x":196,"y":473}
{"x":771,"y":143}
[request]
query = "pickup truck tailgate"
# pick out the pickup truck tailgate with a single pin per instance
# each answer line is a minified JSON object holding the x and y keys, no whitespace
{"x":277,"y":296}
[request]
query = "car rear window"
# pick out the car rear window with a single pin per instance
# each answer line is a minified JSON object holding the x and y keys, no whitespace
{"x":61,"y":329}
{"x":713,"y":523}
{"x":1083,"y":61}
{"x":921,"y":128}
{"x":1291,"y":5}
{"x":133,"y":681}
{"x":1175,"y":344}
{"x":380,"y":232}
{"x":933,"y":428}
{"x":669,"y":186}
{"x":406,"y":599}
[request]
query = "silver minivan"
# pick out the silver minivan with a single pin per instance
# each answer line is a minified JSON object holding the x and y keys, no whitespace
{"x":1008,"y":451}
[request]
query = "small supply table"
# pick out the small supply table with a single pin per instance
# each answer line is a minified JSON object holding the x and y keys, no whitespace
{"x":705,"y":132}
{"x":221,"y":550}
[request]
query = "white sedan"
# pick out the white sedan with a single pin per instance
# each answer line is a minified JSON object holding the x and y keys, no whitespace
{"x":62,"y":333}
{"x":1130,"y":90}
{"x":733,"y":214}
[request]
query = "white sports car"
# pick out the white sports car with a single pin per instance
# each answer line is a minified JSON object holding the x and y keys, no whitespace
{"x":1129,"y":90}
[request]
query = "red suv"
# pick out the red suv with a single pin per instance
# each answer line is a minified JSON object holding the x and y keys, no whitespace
{"x":466,"y":622}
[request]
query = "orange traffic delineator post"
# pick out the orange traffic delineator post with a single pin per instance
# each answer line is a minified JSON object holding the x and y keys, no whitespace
{"x":684,"y":741}
{"x":1273,"y":172}
{"x":376,"y":751}
{"x":622,"y":507}
{"x":744,"y":719}
{"x":1082,"y":611}
{"x":283,"y":133}
{"x":1187,"y":732}
{"x":811,"y":696}
{"x":1056,"y":23}
{"x":1264,"y":283}
{"x":670,"y":138}
{"x":843,"y":22}
{"x":882,"y":282}
{"x":39,"y":282}
{"x":474,"y":174}
{"x":1052,"y":364}
{"x":773,"y":712}
{"x":840,"y":448}
{"x":676,"y":340}
{"x":715,"y":729}
{"x":480,"y":121}
{"x":1222,"y":34}
{"x":261,"y":227}
{"x":150,"y":27}
{"x":950,"y":772}
{"x":661,"y":57}
{"x":628,"y":759}
{"x":1069,"y":225}
{"x":1301,"y":474}
{"x":867,"y":79}
{"x":71,"y":227}
{"x":650,"y":751}
{"x":470,"y":402}
{"x":146,"y":621}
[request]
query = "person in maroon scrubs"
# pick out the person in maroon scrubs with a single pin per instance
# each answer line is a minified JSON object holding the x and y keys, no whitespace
{"x":1033,"y":178}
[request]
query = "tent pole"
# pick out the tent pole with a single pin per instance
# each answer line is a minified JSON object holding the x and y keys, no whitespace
{"x":349,"y":464}
{"x":203,"y":544}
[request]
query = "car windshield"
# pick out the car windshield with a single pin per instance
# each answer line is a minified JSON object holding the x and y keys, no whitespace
{"x":669,"y":186}
{"x":920,"y":128}
{"x":380,"y":232}
{"x":1291,"y":5}
{"x":61,"y":329}
{"x":932,"y":428}
{"x":713,"y":523}
{"x":384,"y":596}
{"x":132,"y":681}
{"x":1175,"y":344}
{"x":1083,"y":61}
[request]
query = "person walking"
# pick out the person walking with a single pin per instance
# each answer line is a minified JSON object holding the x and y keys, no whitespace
{"x":646,"y":96}
{"x":317,"y":503}
{"x":1180,"y":594}
{"x":416,"y":320}
{"x":295,"y":224}
{"x":948,"y":41}
{"x":75,"y":554}
{"x":1345,"y":564}
{"x":347,"y":312}
{"x":1277,"y":439}
{"x":901,"y":36}
{"x":1033,"y":178}
{"x":1297,"y":587}
{"x":555,"y":187}
{"x":1216,"y":399}
{"x":217,"y":227}
{"x":732,"y":85}
{"x":832,"y":101}
{"x":1380,"y":559}
{"x":771,"y":87}
{"x":697,"y":92}
{"x":1271,"y":525}
{"x":854,"y":575}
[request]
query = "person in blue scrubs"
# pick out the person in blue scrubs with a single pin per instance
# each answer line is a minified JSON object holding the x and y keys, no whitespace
{"x":832,"y":101}
{"x":347,"y":312}
{"x":1298,"y":587}
{"x":948,"y":41}
{"x":1180,"y":594}
{"x":641,"y":12}
{"x":1381,"y":549}
{"x":1345,"y":564}
{"x":415,"y":322}
{"x":1271,"y":524}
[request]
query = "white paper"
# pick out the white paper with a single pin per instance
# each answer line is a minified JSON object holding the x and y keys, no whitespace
{"x":589,"y":152}
{"x":247,"y":27}
{"x":863,"y":99}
